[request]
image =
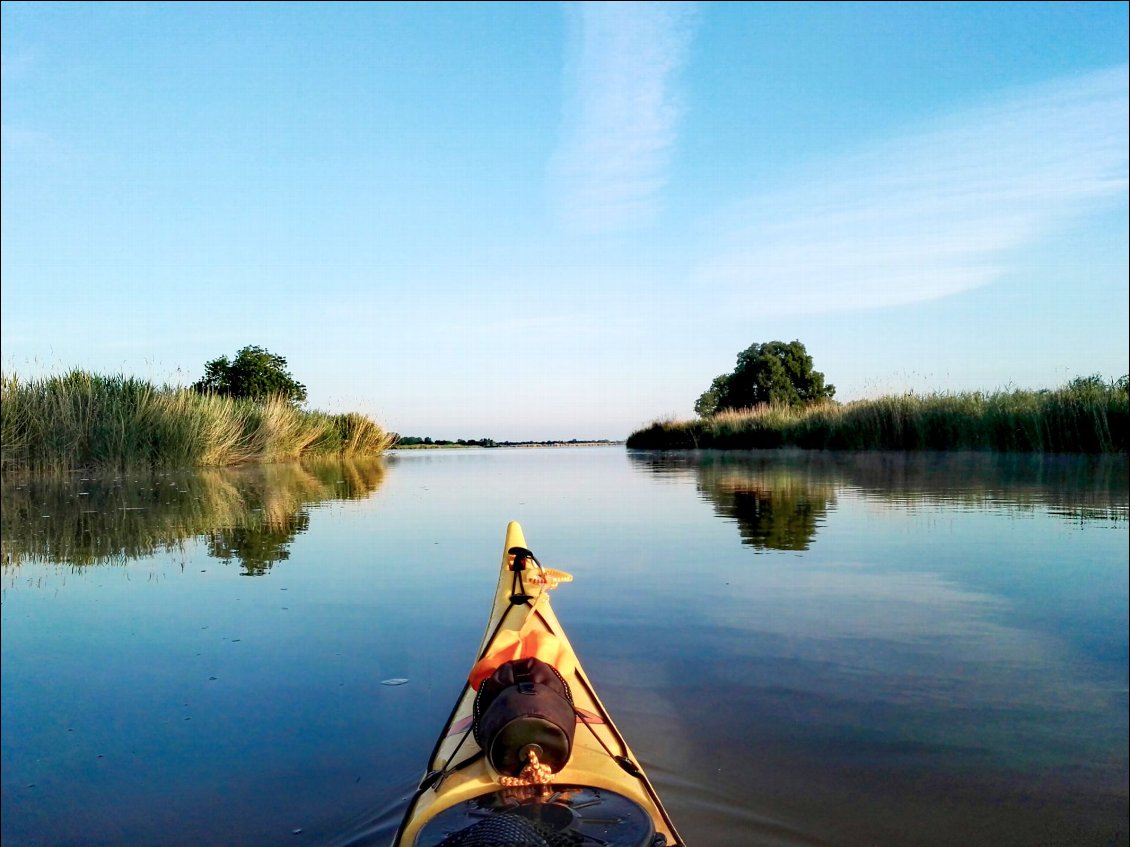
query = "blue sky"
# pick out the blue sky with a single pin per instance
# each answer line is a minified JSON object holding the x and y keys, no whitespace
{"x":556,"y":221}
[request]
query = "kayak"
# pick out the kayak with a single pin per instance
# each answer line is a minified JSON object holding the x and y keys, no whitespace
{"x":529,"y":756}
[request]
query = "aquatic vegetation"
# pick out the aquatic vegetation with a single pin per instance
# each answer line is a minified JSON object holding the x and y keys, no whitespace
{"x":81,"y":419}
{"x":1087,"y":415}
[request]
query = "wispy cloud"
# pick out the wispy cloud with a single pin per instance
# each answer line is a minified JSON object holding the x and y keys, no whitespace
{"x":933,"y":212}
{"x":621,"y":112}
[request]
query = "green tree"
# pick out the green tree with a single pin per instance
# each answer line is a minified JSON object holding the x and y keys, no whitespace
{"x":774,"y":372}
{"x":255,"y":374}
{"x":707,"y":402}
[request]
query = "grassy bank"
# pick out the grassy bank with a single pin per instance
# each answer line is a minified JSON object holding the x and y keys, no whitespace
{"x":87,"y":420}
{"x":1085,"y":416}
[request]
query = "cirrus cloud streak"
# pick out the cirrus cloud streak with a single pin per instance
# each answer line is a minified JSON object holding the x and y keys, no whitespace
{"x":930,"y":213}
{"x":621,"y":112}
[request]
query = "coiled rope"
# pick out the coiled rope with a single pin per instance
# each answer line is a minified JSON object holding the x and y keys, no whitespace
{"x":534,"y":773}
{"x":548,"y":577}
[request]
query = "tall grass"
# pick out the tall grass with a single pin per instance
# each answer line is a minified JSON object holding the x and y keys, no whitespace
{"x":81,"y":419}
{"x":1085,"y":416}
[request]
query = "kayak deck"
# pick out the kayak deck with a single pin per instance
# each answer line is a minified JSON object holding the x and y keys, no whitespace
{"x":460,"y":776}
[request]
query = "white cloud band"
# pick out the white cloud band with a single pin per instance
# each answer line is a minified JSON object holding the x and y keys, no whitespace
{"x":621,"y":112}
{"x":931,"y":213}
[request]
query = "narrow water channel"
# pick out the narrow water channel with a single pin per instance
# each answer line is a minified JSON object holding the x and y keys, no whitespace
{"x":802,"y":648}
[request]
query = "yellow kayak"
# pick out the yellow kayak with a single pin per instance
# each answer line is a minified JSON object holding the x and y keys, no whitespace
{"x":529,"y":756}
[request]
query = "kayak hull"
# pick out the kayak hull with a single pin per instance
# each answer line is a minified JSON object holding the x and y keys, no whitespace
{"x":601,"y":761}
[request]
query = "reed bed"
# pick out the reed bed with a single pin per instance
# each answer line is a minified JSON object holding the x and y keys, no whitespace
{"x":1085,"y":416}
{"x":81,"y":419}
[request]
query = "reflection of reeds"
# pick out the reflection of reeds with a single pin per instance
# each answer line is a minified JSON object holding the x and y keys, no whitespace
{"x":78,"y":520}
{"x":86,"y":420}
{"x":1086,"y":416}
{"x":1083,"y":487}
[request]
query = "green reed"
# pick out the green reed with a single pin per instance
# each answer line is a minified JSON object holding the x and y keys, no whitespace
{"x":81,"y":419}
{"x":1087,"y":415}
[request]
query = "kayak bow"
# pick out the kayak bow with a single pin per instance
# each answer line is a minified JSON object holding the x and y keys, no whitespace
{"x":529,"y":709}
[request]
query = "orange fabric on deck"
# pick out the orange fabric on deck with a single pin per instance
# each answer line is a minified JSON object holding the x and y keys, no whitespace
{"x":518,"y":644}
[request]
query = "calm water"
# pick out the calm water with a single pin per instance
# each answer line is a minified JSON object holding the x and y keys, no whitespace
{"x":803,"y":649}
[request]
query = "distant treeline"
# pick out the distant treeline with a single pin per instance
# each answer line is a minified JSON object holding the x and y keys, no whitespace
{"x":1088,"y":415}
{"x":81,"y":420}
{"x":416,"y":441}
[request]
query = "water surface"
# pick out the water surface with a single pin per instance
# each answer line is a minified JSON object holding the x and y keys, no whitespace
{"x":802,"y":648}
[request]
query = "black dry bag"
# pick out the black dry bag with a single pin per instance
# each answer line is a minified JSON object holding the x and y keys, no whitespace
{"x":525,"y":707}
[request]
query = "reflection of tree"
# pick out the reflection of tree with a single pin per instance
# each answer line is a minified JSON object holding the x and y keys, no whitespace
{"x":777,"y":508}
{"x":779,"y":497}
{"x":769,"y":519}
{"x":249,"y":514}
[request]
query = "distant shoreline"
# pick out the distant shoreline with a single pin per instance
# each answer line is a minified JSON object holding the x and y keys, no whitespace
{"x":447,"y":445}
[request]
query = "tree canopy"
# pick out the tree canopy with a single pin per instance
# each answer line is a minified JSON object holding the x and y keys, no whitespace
{"x":255,"y":374}
{"x":774,"y":372}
